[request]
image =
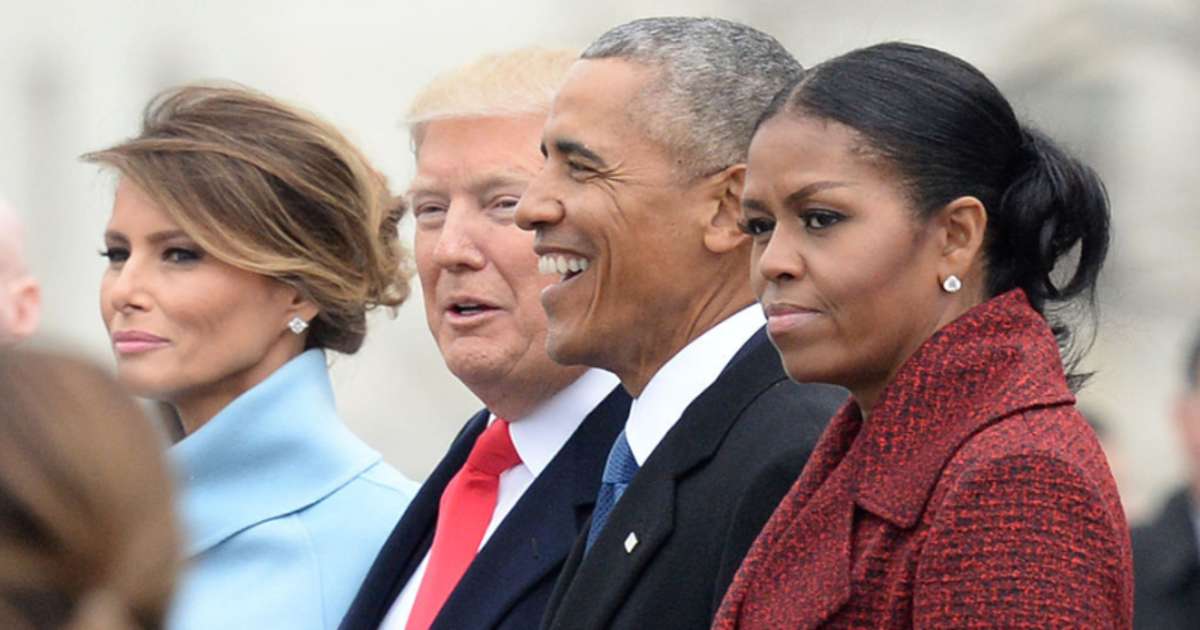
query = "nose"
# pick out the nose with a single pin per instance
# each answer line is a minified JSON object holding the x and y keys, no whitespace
{"x":778,"y":260}
{"x":125,"y":288}
{"x":457,"y":244}
{"x":540,"y":206}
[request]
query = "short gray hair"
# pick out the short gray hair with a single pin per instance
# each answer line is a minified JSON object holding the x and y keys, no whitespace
{"x":716,"y":78}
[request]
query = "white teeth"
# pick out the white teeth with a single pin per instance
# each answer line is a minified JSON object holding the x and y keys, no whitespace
{"x":557,"y":264}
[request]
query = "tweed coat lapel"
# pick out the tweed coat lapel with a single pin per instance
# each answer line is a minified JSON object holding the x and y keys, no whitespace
{"x":644,"y":518}
{"x":812,"y":527}
{"x":533,"y":541}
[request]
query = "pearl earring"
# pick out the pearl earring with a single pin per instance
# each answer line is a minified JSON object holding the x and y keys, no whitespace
{"x":951,"y":284}
{"x":297,"y":325}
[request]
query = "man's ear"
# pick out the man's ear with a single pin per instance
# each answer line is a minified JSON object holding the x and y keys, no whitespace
{"x":960,"y":226}
{"x":27,"y":307}
{"x":721,"y":232}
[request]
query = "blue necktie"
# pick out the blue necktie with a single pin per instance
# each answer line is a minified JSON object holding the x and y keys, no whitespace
{"x":618,"y":472}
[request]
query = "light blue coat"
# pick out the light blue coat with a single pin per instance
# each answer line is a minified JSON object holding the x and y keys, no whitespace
{"x":283,"y":507}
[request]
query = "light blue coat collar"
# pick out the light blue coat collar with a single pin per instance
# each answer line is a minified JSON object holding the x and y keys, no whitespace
{"x":276,"y":449}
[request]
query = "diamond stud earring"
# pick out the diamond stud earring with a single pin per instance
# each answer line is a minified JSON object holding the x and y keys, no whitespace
{"x":951,"y":284}
{"x":297,"y":325}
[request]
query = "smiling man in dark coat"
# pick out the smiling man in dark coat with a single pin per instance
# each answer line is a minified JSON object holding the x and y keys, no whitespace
{"x":636,"y":216}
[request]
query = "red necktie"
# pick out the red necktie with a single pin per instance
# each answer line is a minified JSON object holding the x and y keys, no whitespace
{"x":463,"y":516}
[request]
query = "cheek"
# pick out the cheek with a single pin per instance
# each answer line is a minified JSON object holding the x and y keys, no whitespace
{"x":106,"y":308}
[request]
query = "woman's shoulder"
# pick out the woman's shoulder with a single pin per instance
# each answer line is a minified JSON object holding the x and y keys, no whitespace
{"x":1052,"y":433}
{"x":379,"y":490}
{"x":1040,"y":454}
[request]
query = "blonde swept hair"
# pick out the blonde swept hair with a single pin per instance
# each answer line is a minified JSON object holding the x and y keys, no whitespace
{"x":514,"y":83}
{"x":88,"y":535}
{"x":275,"y":190}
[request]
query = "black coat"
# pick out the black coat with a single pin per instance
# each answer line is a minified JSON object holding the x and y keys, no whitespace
{"x":697,"y":503}
{"x":1166,"y":569}
{"x":509,"y":582}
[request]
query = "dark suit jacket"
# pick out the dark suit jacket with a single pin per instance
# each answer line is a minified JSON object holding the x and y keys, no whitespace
{"x":1167,"y":566}
{"x":697,"y":502}
{"x":974,"y":495}
{"x":507,"y":585}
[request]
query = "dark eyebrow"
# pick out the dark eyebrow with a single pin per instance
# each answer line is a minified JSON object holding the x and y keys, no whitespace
{"x":157,"y":237}
{"x":810,"y":190}
{"x":571,"y":147}
{"x":755,"y":205}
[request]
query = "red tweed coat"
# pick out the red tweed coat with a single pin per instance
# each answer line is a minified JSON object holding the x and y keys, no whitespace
{"x":974,"y":496}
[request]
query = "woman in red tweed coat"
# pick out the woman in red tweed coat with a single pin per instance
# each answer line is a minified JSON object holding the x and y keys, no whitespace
{"x":905,"y":227}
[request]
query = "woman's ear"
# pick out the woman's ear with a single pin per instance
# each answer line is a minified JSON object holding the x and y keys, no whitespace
{"x":960,"y":225}
{"x":301,"y":306}
{"x":721,"y":233}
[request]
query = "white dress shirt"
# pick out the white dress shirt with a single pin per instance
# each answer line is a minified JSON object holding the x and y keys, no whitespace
{"x":684,"y":377}
{"x":537,"y":438}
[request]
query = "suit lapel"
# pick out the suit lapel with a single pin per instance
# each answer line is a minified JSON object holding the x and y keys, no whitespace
{"x":645,"y":516}
{"x":410,"y":540}
{"x":537,"y":535}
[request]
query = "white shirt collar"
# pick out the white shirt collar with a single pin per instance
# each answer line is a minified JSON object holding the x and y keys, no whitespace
{"x":539,"y":435}
{"x":684,"y":377}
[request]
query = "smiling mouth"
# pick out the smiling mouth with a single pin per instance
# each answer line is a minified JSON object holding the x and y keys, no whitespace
{"x":559,"y":264}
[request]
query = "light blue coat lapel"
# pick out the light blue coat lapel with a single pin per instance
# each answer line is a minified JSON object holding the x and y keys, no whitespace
{"x":276,"y":449}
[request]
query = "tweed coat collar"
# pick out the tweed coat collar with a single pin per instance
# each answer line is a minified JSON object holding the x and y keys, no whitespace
{"x":997,"y":359}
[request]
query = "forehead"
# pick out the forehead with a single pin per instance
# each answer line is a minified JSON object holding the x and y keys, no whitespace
{"x":478,"y":146}
{"x":133,"y":209}
{"x":594,"y":103}
{"x":788,"y":151}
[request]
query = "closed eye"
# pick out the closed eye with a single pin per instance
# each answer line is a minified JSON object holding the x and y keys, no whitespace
{"x":579,"y":169}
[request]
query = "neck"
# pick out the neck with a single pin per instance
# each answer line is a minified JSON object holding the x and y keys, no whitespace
{"x":200,"y":404}
{"x":514,"y":400}
{"x":667,"y":336}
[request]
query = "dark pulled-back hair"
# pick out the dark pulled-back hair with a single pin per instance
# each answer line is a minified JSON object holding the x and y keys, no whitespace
{"x":946,"y":131}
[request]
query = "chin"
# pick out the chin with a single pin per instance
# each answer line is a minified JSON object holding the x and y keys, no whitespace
{"x":570,"y":347}
{"x":139,"y":384}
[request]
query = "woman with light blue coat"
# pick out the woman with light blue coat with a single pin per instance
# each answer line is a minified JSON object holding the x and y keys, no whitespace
{"x":247,"y":238}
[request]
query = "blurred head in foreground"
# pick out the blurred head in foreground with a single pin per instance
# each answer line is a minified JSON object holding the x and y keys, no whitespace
{"x":87,"y":533}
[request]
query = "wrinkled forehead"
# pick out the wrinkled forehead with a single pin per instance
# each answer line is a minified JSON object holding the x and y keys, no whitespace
{"x":600,"y":98}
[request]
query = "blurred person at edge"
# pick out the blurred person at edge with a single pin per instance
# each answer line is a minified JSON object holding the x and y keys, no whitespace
{"x":635,"y":218}
{"x":905,"y":228}
{"x":247,"y":239}
{"x":1166,"y":551}
{"x":88,"y":538}
{"x":475,"y":134}
{"x":20,"y":295}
